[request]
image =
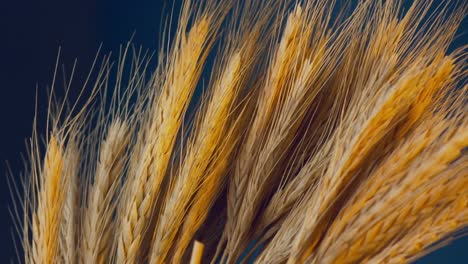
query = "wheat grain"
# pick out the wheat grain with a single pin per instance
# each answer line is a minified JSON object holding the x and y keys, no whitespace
{"x":373,"y":130}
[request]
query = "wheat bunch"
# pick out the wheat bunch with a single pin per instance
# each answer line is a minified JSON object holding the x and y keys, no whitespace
{"x":326,"y":134}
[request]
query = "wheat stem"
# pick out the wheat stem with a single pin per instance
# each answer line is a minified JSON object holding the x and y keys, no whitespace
{"x":197,"y":253}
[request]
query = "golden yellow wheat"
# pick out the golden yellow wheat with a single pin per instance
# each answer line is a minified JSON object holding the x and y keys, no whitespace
{"x":326,"y":134}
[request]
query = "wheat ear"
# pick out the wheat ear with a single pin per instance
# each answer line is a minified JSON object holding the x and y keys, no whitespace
{"x":269,"y":97}
{"x":46,"y":220}
{"x":70,"y":221}
{"x":279,"y":247}
{"x":167,"y":118}
{"x":101,"y":202}
{"x":329,"y":93}
{"x":198,"y":157}
{"x":224,"y":134}
{"x":267,"y":102}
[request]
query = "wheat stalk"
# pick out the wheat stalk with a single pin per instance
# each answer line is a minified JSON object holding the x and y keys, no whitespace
{"x":197,"y":253}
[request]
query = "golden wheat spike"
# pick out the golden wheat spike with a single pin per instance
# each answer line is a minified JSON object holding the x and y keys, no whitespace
{"x":199,"y":156}
{"x":264,"y":175}
{"x":156,"y":154}
{"x":328,"y":80}
{"x":436,"y":142}
{"x":386,"y":178}
{"x":279,"y":248}
{"x":391,"y":170}
{"x":435,"y":84}
{"x":267,"y":102}
{"x":303,"y":95}
{"x":47,"y":218}
{"x":284,"y":199}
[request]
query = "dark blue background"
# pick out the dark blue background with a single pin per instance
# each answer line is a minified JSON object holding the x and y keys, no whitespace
{"x":30,"y":34}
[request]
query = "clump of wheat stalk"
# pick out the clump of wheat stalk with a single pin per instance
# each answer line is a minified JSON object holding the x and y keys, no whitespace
{"x":325,"y":134}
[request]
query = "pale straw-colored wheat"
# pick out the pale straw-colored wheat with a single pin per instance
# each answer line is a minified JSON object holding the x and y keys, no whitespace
{"x":98,"y":226}
{"x":69,"y":230}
